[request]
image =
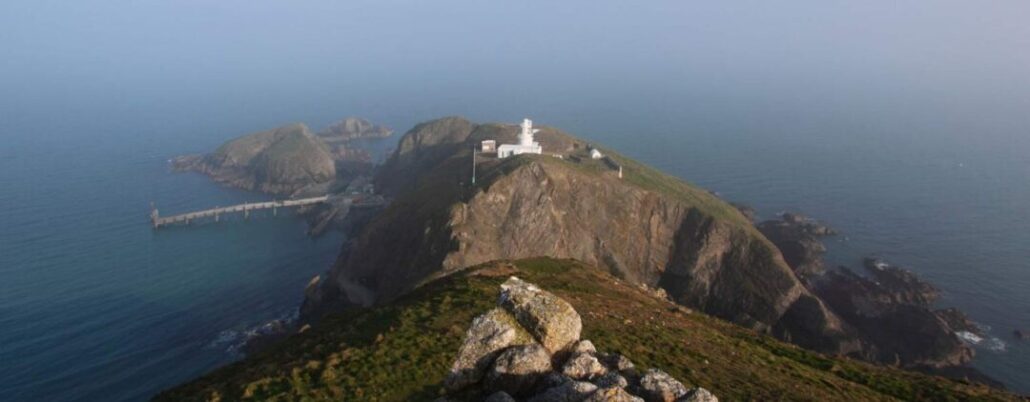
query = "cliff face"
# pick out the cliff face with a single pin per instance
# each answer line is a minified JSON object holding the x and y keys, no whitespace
{"x":423,"y":147}
{"x":646,"y":228}
{"x":280,"y":161}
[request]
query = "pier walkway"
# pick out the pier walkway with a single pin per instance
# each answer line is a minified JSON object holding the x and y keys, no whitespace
{"x":158,"y":221}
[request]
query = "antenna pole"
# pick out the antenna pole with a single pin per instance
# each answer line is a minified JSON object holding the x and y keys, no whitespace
{"x":473,"y":164}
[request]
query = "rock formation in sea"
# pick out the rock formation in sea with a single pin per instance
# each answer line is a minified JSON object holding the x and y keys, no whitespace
{"x":529,"y":347}
{"x":351,"y":157}
{"x":798,"y":238}
{"x":890,"y":311}
{"x":278,"y":161}
{"x":353,"y":128}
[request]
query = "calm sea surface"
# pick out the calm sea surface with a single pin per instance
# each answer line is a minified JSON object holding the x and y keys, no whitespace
{"x":94,"y":305}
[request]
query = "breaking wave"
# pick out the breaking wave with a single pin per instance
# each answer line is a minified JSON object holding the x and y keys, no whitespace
{"x":233,"y":341}
{"x":990,"y":343}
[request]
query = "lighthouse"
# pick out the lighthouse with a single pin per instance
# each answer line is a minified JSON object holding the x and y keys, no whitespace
{"x":526,"y":145}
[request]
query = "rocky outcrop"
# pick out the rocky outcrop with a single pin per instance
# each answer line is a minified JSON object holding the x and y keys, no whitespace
{"x":550,"y":319}
{"x":893,"y":315}
{"x":900,"y":285}
{"x":534,"y":372}
{"x":353,"y":128}
{"x":890,"y":311}
{"x":798,"y":238}
{"x":279,"y":161}
{"x":959,"y":321}
{"x":350,"y":156}
{"x":1021,"y":334}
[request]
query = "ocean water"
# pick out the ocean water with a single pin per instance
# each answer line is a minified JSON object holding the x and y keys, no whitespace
{"x":94,"y":305}
{"x":97,"y":306}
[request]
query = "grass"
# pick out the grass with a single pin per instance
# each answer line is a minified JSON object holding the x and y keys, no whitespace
{"x":403,"y":351}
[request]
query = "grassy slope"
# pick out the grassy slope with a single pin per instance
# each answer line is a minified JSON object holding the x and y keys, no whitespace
{"x":286,"y":141}
{"x":402,"y":351}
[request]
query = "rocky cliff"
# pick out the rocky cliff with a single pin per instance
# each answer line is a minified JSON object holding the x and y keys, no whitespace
{"x":279,"y":161}
{"x":645,"y":227}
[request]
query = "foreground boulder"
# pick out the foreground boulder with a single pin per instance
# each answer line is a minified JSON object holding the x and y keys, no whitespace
{"x":530,"y":349}
{"x":551,"y":320}
{"x":489,"y":334}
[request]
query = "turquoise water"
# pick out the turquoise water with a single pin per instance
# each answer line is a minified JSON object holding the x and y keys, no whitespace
{"x":94,"y":305}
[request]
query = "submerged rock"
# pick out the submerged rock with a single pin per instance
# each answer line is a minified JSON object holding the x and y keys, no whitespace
{"x":551,"y":320}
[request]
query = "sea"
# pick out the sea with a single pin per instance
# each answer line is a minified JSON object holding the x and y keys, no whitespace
{"x":95,"y":305}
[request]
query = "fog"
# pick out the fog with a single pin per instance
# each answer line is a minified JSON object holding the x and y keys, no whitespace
{"x":532,"y":56}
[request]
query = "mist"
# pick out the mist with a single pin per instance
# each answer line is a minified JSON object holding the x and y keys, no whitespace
{"x":316,"y":58}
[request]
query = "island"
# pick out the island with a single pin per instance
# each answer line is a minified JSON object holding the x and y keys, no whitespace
{"x":669,"y":275}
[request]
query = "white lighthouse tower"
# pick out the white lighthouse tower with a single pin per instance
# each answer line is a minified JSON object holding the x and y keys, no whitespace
{"x":526,"y":144}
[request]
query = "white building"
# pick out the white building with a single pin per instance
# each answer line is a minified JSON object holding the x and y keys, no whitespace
{"x":526,"y":144}
{"x":488,"y":147}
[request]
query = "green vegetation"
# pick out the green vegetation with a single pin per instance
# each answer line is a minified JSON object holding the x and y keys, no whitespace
{"x":403,"y":351}
{"x":643,"y":177}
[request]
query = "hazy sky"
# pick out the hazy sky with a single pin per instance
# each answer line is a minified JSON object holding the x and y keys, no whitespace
{"x":941,"y":51}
